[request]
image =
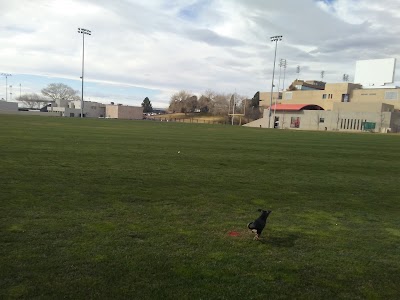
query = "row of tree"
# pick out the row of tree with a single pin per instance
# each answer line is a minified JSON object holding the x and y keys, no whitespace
{"x":53,"y":92}
{"x":214,"y":103}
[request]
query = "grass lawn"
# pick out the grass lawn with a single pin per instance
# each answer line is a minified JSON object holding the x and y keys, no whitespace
{"x":97,"y":208}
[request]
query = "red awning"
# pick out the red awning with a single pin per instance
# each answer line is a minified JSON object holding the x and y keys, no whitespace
{"x":296,"y":107}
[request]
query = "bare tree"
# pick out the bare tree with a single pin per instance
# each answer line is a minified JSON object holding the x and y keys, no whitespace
{"x":206,"y":101}
{"x":204,"y":104}
{"x":33,"y":100}
{"x":60,"y":91}
{"x":178,"y":101}
{"x":221,"y":104}
{"x":190,"y":104}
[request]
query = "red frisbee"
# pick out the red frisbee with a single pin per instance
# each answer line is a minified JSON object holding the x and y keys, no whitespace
{"x":233,"y":233}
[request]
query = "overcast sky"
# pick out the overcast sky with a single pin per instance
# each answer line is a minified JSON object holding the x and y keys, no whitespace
{"x":157,"y":47}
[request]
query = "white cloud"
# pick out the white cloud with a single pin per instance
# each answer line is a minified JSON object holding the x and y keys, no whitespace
{"x":193,"y":44}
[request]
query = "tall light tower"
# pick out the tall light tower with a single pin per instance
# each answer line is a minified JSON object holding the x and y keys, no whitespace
{"x":273,"y":39}
{"x":6,"y":75}
{"x":284,"y":64}
{"x":10,"y":92}
{"x":84,"y":32}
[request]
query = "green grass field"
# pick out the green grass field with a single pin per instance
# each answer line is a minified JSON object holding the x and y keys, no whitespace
{"x":107,"y":209}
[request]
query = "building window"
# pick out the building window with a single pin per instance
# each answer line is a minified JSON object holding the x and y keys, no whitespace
{"x":391,"y":95}
{"x":295,"y":122}
{"x":322,"y":120}
{"x":288,"y":95}
{"x":345,"y":98}
{"x":324,"y":96}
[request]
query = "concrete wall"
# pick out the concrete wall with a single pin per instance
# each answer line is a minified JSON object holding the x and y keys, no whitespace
{"x":112,"y":111}
{"x":130,"y":112}
{"x":8,"y":106}
{"x":363,"y":107}
{"x":388,"y":95}
{"x":124,"y":112}
{"x":30,"y":113}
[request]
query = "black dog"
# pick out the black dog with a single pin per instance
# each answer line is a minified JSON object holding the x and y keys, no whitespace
{"x":258,"y":225}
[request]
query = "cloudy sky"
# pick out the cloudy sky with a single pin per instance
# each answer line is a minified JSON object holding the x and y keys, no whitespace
{"x":155,"y":48}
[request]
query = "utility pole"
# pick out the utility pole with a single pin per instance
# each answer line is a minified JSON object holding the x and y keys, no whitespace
{"x":233,"y":107}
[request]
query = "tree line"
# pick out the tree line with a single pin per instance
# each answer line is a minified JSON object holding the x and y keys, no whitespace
{"x":213,"y":103}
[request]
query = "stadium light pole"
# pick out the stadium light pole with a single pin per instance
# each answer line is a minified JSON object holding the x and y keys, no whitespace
{"x":6,"y":75}
{"x":284,"y":74}
{"x":83,"y":31}
{"x":275,"y":39}
{"x":282,"y":63}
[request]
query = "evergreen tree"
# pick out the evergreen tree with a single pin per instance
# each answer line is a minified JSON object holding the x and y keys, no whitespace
{"x":147,"y":107}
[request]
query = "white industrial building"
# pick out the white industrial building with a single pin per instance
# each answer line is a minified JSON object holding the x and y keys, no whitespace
{"x":73,"y":108}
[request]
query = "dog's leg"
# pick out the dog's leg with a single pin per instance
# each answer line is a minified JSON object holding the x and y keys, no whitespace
{"x":256,"y":238}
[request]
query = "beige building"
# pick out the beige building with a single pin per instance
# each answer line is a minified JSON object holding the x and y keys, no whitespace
{"x":303,"y":92}
{"x":316,"y":105}
{"x":374,"y":117}
{"x":124,"y":112}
